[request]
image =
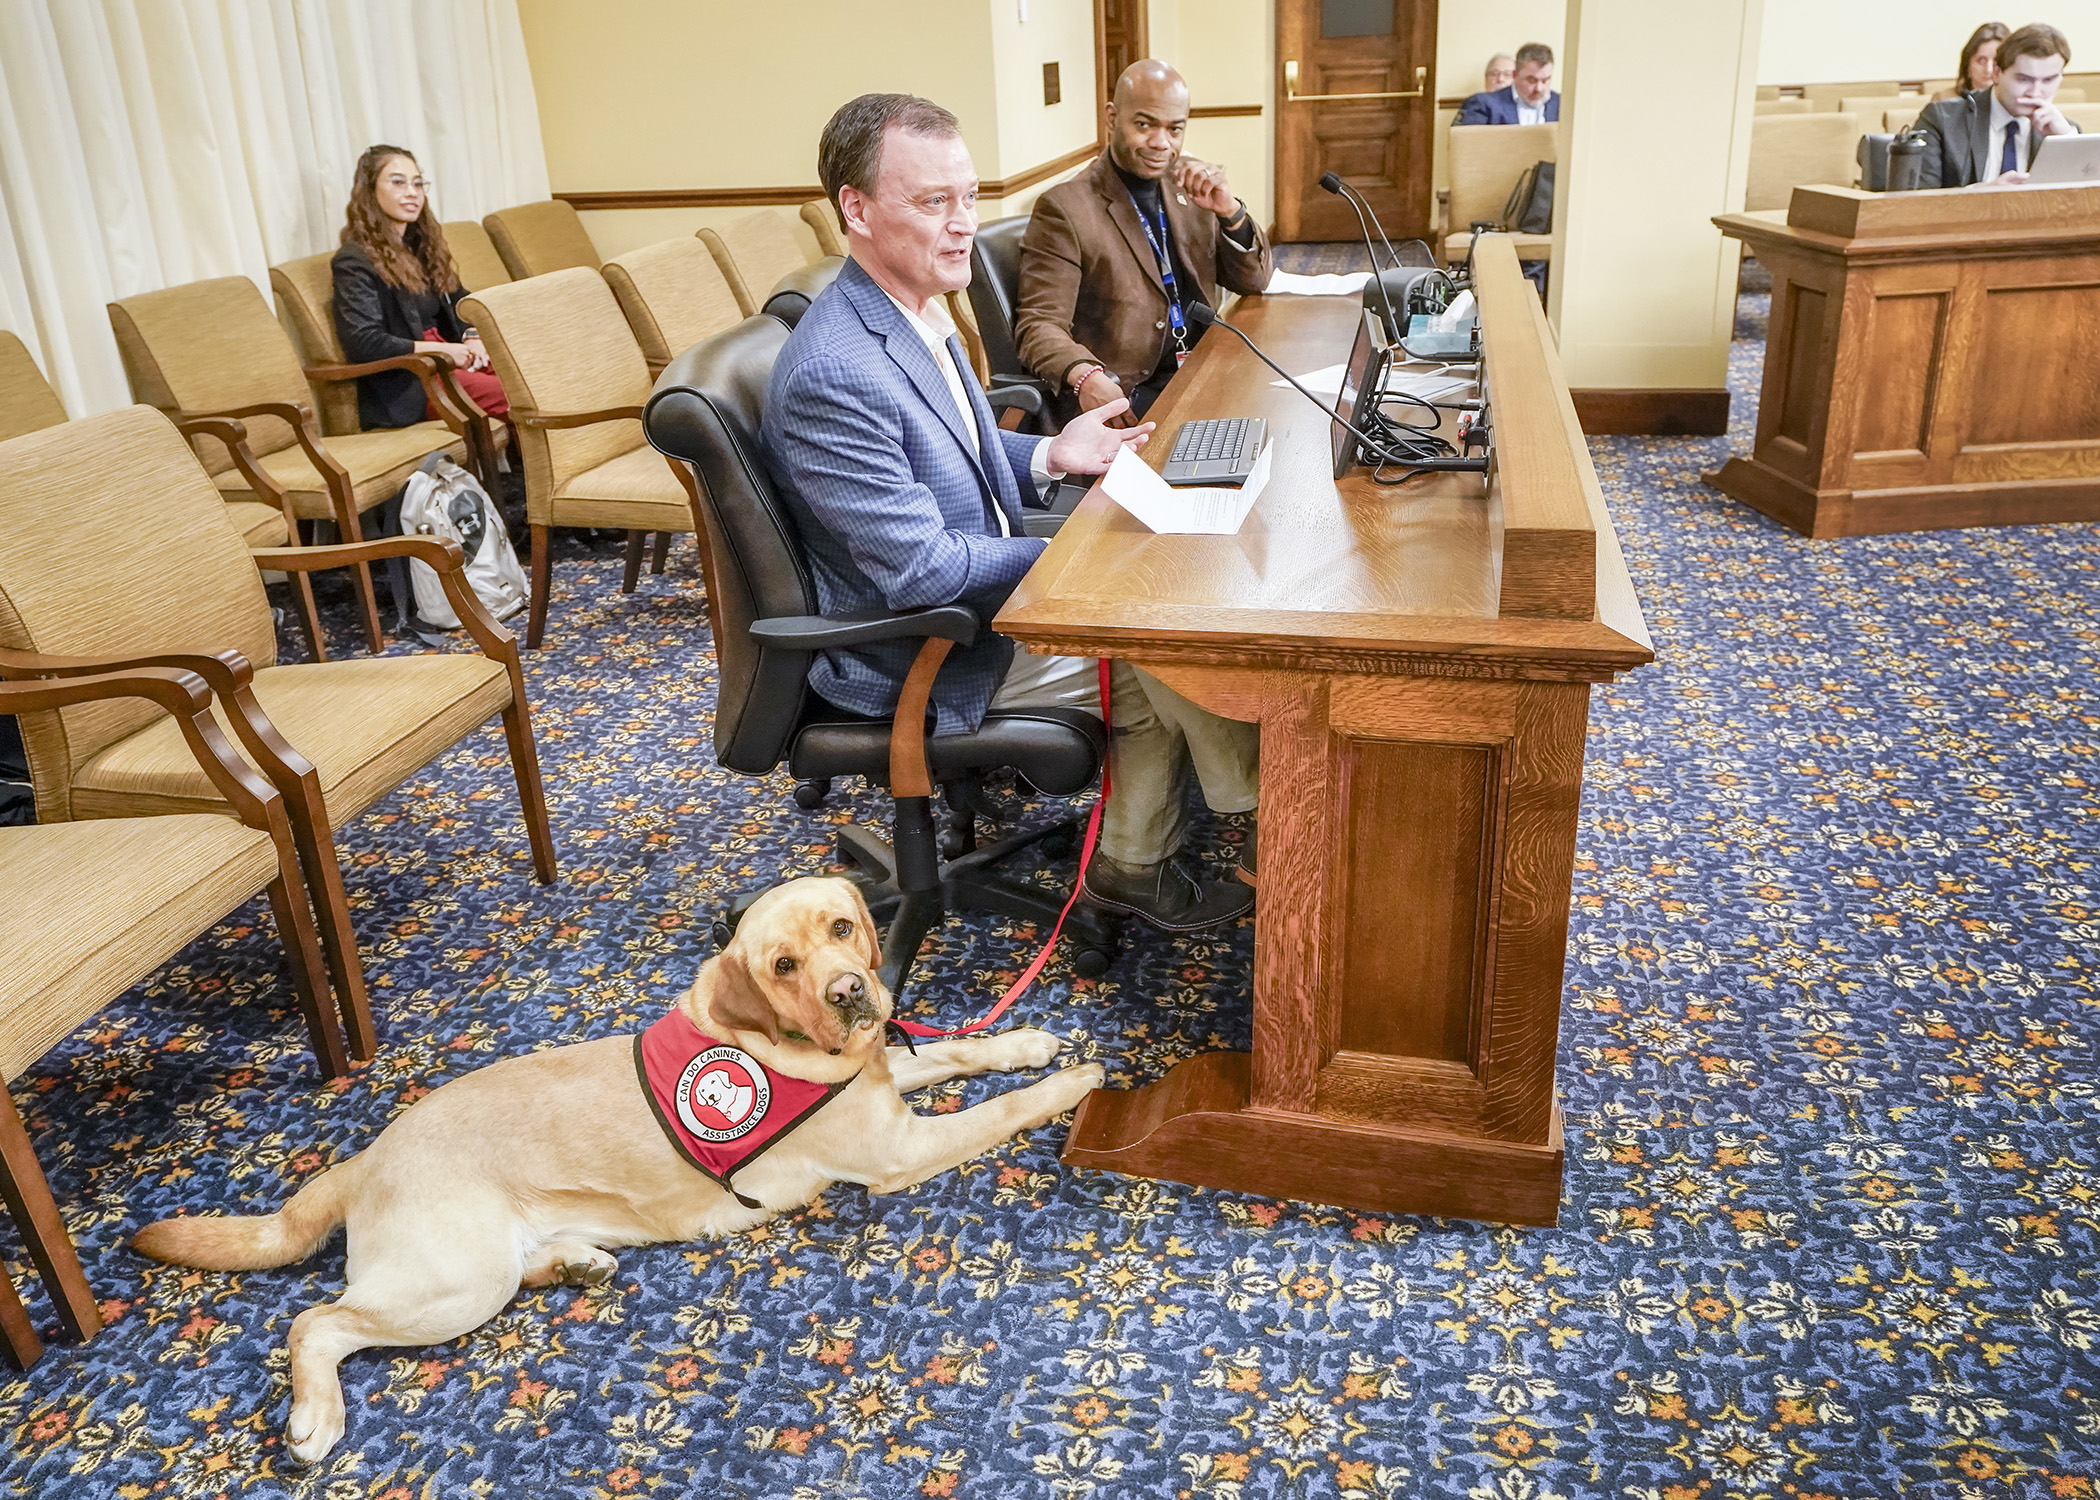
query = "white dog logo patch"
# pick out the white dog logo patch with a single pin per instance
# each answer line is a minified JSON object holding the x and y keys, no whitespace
{"x":723,"y":1094}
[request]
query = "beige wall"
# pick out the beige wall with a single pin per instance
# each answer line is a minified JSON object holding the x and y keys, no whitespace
{"x":1469,"y":32}
{"x":648,"y":94}
{"x":1814,"y":41}
{"x":1643,"y":285}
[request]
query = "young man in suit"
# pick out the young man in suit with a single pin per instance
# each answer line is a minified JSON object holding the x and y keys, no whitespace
{"x":1989,"y":136}
{"x":907,"y":494}
{"x":1529,"y":99}
{"x":1114,"y":259}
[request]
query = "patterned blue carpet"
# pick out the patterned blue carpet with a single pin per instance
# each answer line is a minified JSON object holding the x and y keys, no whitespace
{"x":1832,"y":1204}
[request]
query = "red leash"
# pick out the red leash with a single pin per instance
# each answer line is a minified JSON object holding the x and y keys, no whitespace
{"x":1086,"y":853}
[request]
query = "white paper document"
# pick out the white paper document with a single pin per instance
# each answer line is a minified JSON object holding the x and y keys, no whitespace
{"x":1189,"y":510}
{"x":1428,"y":385}
{"x":1327,"y":382}
{"x":1326,"y":284}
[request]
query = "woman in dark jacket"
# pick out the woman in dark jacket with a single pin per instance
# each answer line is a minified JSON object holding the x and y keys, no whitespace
{"x":397,"y":292}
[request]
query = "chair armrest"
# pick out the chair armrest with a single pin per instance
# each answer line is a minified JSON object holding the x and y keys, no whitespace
{"x":188,"y":698}
{"x":301,"y":422}
{"x":544,"y":420}
{"x":950,"y":622}
{"x":416,"y":362}
{"x":441,"y":553}
{"x":228,"y":674}
{"x":233,"y":432}
{"x":1016,"y":396}
{"x":432,"y":369}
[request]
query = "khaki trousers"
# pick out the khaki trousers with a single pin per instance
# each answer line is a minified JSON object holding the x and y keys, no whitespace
{"x":1155,"y":736}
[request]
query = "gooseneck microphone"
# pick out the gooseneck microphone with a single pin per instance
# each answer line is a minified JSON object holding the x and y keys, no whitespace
{"x":1393,"y":330}
{"x":1204,"y":317}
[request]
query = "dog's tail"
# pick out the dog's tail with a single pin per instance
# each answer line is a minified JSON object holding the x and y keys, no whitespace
{"x":225,"y":1242}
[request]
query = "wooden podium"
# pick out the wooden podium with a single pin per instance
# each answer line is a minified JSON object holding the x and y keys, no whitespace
{"x":1419,"y":659}
{"x":1930,"y":361}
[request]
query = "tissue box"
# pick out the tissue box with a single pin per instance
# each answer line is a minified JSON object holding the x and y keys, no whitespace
{"x":1423,"y":338}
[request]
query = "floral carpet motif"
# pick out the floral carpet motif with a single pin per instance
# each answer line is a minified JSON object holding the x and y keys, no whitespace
{"x":1832,"y":1211}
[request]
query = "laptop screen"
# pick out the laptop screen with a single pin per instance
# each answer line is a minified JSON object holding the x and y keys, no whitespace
{"x":1359,"y":394}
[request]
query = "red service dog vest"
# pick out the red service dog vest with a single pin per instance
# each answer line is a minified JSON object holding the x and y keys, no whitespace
{"x":720,"y":1106}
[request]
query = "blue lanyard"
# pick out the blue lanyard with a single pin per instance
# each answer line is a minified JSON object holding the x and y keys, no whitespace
{"x":1158,"y":242}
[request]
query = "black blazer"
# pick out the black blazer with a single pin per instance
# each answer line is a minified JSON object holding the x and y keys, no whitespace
{"x":1958,"y":141}
{"x":376,"y":321}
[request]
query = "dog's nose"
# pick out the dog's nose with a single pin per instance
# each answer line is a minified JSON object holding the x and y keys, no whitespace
{"x":846,"y":992}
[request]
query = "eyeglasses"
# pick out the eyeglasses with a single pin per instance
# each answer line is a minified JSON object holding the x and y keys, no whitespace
{"x":420,"y":184}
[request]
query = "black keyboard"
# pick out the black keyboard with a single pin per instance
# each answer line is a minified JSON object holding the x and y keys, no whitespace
{"x":1211,"y":437}
{"x":1215,"y":450}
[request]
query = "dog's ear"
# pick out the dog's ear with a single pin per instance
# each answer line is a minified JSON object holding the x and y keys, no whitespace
{"x":867,"y":925}
{"x":736,"y":1000}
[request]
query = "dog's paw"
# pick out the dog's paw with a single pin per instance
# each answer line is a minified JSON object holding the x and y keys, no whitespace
{"x":313,"y":1429}
{"x":1027,"y":1048}
{"x":1070,"y":1085}
{"x":593,"y":1270}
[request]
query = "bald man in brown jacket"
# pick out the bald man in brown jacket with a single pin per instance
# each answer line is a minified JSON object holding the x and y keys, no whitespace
{"x":1099,"y":315}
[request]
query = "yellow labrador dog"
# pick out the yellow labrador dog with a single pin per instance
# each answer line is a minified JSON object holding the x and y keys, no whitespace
{"x":525,"y":1172}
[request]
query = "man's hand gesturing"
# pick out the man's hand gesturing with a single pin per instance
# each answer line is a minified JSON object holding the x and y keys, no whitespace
{"x":1204,"y":183}
{"x":1088,"y":445}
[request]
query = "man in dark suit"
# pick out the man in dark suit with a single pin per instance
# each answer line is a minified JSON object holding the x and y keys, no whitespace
{"x":1114,"y":260}
{"x":1529,"y":99}
{"x":1989,"y":136}
{"x":907,"y":494}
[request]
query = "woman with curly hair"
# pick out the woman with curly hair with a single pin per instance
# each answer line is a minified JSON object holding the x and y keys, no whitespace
{"x":1979,"y":61}
{"x":397,"y":292}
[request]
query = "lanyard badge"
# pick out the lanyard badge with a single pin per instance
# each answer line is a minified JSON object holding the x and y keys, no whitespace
{"x":1158,"y":241}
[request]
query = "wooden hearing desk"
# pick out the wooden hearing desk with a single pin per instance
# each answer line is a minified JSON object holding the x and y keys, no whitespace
{"x":1419,"y":660}
{"x":1930,"y":361}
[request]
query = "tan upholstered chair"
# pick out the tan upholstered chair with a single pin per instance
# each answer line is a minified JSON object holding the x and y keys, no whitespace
{"x":94,"y":907}
{"x":823,"y":222}
{"x":1778,"y":106}
{"x":343,"y":734}
{"x":27,"y":402}
{"x":2085,"y":116}
{"x":1895,"y":119}
{"x":1790,"y":151}
{"x":673,"y":295}
{"x":211,"y":348}
{"x":1825,"y":98}
{"x":305,"y":291}
{"x":475,"y":256}
{"x":1768,"y":91}
{"x":1486,"y":161}
{"x":577,"y":382}
{"x":1868,"y":107}
{"x":754,"y":253}
{"x":535,"y":238}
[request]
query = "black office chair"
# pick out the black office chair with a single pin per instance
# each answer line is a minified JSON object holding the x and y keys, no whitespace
{"x":705,"y":411}
{"x":995,"y":293}
{"x":793,"y":293}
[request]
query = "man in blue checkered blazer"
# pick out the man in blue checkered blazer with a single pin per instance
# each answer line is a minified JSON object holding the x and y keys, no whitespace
{"x":907,"y":494}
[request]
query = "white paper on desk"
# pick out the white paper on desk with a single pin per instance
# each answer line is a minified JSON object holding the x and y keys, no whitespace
{"x":1188,"y":510}
{"x":1326,"y":284}
{"x":1327,"y":382}
{"x":1429,"y":386}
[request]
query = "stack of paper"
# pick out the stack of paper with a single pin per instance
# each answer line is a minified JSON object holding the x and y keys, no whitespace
{"x":1327,"y":284}
{"x":1188,"y":510}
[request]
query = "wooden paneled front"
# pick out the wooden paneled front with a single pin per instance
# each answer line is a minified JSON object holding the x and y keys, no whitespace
{"x":1419,"y":660}
{"x":1930,"y":361}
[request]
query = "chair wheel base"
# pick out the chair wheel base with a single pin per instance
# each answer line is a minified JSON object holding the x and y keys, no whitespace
{"x":810,"y":794}
{"x":1090,"y":962}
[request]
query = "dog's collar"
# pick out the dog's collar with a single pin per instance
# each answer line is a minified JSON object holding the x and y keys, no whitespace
{"x":720,"y":1107}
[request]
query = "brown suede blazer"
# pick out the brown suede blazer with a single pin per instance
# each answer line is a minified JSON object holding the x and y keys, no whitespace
{"x":1090,"y":286}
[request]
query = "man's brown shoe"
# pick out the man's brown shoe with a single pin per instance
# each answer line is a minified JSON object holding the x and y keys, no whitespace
{"x":1168,"y":895}
{"x":1246,"y":867}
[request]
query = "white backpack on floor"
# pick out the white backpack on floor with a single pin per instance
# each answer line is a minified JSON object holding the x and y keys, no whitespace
{"x":444,"y":500}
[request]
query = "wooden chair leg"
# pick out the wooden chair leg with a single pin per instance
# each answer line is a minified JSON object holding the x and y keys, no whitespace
{"x":20,"y":1333}
{"x":309,"y":617}
{"x":365,"y":592}
{"x":532,"y":795}
{"x":295,"y":929}
{"x":636,"y":540}
{"x":43,"y":1230}
{"x":662,"y":551}
{"x":324,"y":879}
{"x":542,"y":576}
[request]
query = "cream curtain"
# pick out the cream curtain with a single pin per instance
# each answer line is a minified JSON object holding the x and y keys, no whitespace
{"x":146,"y":143}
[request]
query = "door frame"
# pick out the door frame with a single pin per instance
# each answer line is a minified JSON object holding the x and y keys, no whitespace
{"x":1104,"y":85}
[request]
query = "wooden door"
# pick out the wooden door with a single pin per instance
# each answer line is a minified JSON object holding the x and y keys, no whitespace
{"x":1356,"y":96}
{"x":1119,"y":41}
